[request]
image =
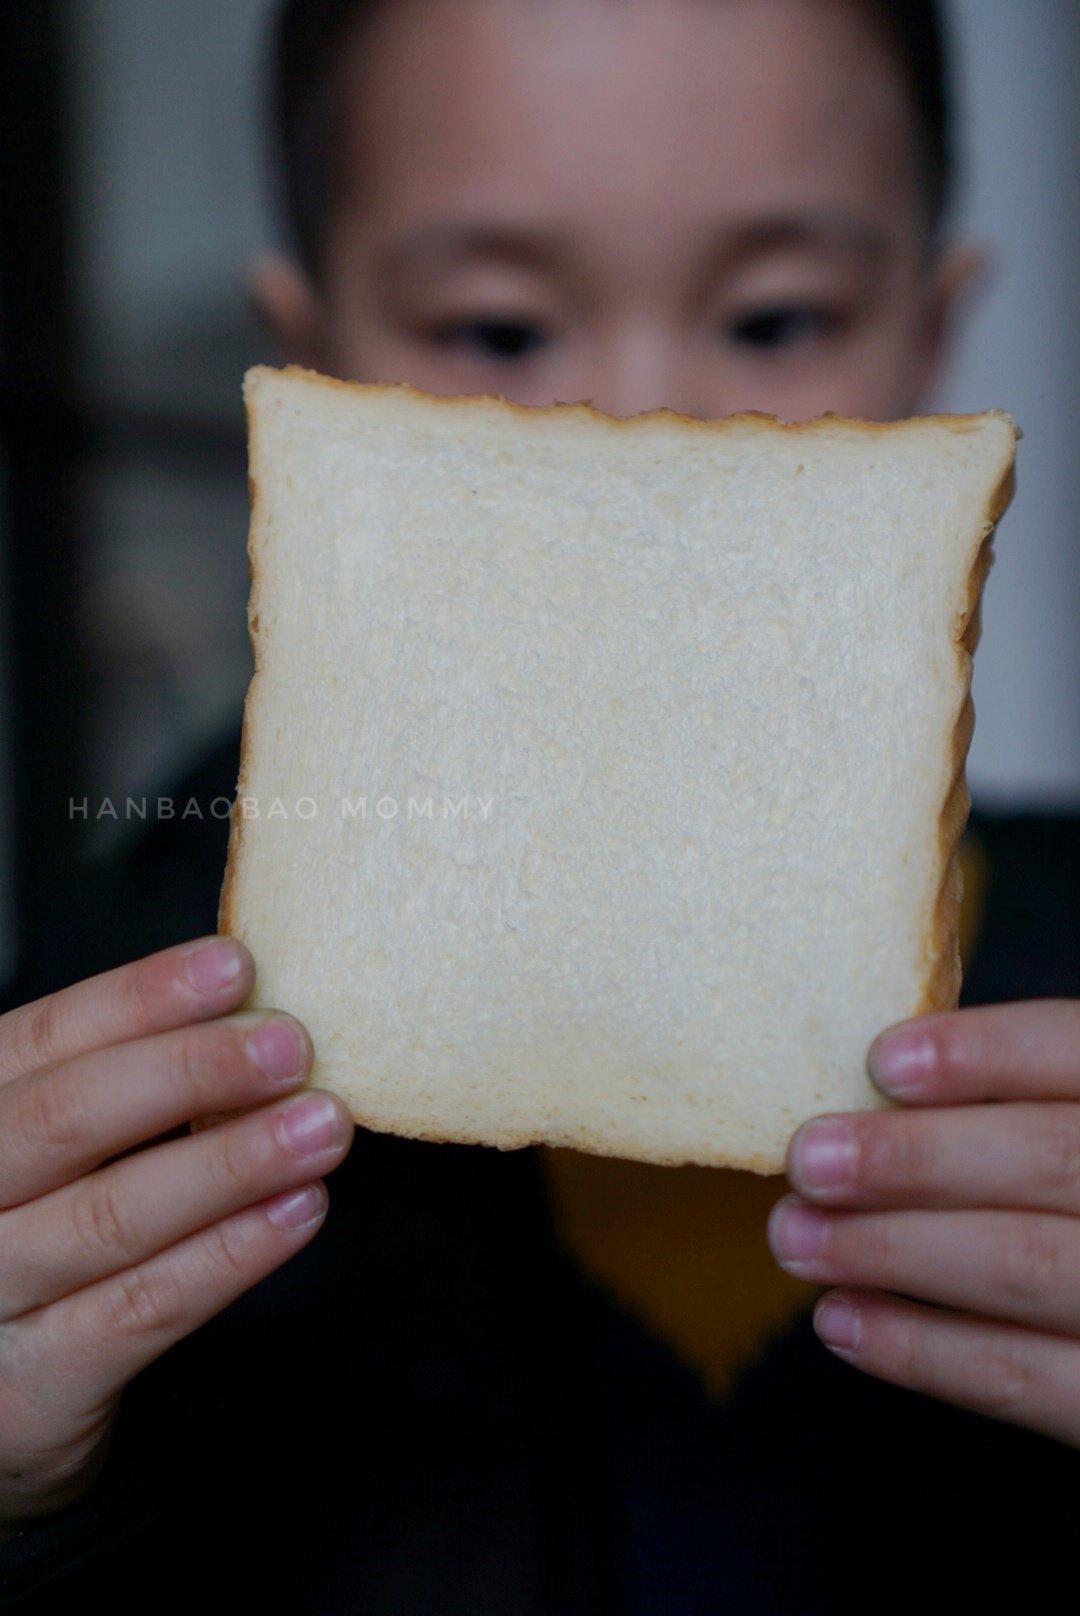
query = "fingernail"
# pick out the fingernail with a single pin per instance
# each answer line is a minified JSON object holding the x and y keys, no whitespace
{"x":213,"y":966}
{"x":838,"y":1324}
{"x":277,"y":1051}
{"x":903,"y":1062}
{"x":309,"y":1124}
{"x":797,"y":1234}
{"x":298,"y":1207}
{"x":824,"y":1154}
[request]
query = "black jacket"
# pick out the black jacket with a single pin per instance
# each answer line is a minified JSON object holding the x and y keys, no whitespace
{"x":430,"y":1411}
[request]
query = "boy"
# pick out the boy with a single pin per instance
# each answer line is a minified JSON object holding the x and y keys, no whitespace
{"x":710,"y":204}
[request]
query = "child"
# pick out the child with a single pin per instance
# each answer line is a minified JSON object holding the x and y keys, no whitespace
{"x":449,"y":1401}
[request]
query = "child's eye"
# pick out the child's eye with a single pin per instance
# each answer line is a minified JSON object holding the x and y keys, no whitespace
{"x":784,"y":326}
{"x":492,"y":339}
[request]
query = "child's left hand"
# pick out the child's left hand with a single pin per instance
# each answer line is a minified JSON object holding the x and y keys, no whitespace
{"x":959,"y":1199}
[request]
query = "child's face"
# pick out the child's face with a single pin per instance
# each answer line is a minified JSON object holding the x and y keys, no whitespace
{"x":709,"y":204}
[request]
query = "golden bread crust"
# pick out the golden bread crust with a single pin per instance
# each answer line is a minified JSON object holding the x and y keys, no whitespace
{"x":942,"y":987}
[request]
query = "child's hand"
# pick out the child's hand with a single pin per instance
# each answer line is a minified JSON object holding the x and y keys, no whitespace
{"x":960,"y":1200}
{"x":106,"y":1263}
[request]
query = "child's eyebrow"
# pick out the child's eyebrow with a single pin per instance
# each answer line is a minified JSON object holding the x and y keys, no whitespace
{"x":440,"y":243}
{"x":434,"y":245}
{"x":833,"y":230}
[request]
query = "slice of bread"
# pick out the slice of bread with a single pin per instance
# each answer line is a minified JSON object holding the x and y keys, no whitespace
{"x":602,"y":778}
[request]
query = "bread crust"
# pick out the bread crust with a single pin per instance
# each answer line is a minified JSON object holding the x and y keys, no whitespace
{"x":226,"y":901}
{"x":589,"y":411}
{"x":226,"y":919}
{"x":942,"y":951}
{"x":942,"y":987}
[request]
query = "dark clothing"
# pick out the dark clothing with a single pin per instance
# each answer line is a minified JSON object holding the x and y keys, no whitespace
{"x":430,"y":1411}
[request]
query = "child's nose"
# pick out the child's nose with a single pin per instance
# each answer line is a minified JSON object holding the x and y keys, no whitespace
{"x":638,"y":366}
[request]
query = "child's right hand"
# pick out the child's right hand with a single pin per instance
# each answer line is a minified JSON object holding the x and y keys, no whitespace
{"x":105,"y":1263}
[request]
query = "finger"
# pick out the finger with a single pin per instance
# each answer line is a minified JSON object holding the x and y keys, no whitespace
{"x":1022,"y":1376}
{"x":92,"y":1342}
{"x":1027,"y":1049}
{"x":128,"y":1211}
{"x":1024,"y":1155}
{"x":189,"y":982}
{"x":59,"y":1124}
{"x":1020,"y":1266}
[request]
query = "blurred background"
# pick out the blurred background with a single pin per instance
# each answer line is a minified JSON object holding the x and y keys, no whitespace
{"x":132,"y":196}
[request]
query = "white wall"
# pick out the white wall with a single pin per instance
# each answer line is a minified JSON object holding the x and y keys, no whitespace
{"x":1020,"y":66}
{"x":169,"y":199}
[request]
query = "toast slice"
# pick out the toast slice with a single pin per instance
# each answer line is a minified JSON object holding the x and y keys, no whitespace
{"x":602,"y":779}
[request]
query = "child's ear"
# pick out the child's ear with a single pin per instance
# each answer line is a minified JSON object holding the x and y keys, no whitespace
{"x":286,"y":304}
{"x":960,"y":272}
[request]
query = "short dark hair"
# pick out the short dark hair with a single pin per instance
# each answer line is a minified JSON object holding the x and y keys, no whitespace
{"x":309,"y":34}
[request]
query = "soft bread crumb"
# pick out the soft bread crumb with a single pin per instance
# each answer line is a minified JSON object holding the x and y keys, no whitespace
{"x":711,"y":679}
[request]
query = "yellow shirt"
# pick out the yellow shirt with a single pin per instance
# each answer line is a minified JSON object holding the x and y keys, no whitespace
{"x":684,"y":1248}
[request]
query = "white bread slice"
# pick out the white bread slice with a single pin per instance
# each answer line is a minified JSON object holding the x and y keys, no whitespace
{"x":711,"y":681}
